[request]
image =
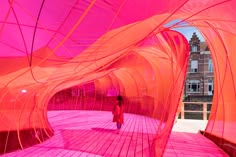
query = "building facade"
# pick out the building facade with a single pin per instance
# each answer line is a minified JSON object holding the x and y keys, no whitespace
{"x":199,"y":85}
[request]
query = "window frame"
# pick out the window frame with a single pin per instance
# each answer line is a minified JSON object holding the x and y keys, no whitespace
{"x":196,"y":83}
{"x":210,"y":66}
{"x":192,"y":69}
{"x":194,"y":48}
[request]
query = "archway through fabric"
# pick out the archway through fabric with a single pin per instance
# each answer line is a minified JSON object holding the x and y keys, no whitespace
{"x":105,"y":48}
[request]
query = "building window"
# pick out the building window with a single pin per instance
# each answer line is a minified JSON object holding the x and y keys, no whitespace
{"x":194,"y":48}
{"x":210,"y":87}
{"x":194,"y":86}
{"x":210,"y":65}
{"x":194,"y":66}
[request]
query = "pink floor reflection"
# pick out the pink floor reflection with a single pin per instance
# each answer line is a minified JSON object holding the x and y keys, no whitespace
{"x":91,"y":133}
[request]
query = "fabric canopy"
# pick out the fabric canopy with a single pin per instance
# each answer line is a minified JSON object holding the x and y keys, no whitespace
{"x":106,"y":48}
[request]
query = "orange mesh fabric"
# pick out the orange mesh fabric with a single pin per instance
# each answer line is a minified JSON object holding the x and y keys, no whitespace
{"x":106,"y":48}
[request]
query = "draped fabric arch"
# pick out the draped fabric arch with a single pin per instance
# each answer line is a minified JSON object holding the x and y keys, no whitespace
{"x":107,"y":48}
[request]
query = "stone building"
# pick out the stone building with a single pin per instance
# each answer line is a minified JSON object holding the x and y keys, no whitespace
{"x":199,"y":85}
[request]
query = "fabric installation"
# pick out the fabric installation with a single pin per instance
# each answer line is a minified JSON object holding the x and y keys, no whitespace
{"x":89,"y":51}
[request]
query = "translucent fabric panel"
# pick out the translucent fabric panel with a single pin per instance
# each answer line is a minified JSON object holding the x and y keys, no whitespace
{"x":217,"y":26}
{"x":106,"y":48}
{"x":139,"y":76}
{"x":222,"y":120}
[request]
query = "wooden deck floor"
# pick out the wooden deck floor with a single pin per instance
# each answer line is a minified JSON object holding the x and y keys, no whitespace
{"x":92,"y":134}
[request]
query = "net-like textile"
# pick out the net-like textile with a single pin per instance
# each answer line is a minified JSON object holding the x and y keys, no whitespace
{"x":87,"y":52}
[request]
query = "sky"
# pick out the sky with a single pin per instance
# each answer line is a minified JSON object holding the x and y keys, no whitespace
{"x":185,"y":29}
{"x":188,"y":32}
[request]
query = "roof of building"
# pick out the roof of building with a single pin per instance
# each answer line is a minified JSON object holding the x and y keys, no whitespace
{"x":195,"y":40}
{"x":204,"y":46}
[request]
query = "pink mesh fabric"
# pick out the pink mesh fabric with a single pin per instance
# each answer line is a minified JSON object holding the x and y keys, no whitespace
{"x":105,"y":48}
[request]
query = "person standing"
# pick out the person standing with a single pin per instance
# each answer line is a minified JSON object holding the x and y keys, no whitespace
{"x":118,"y":113}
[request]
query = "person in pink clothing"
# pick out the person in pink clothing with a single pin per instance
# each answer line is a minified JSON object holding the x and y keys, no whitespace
{"x":118,"y":112}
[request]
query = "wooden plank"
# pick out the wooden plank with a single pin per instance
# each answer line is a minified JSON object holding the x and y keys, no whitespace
{"x":91,"y":133}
